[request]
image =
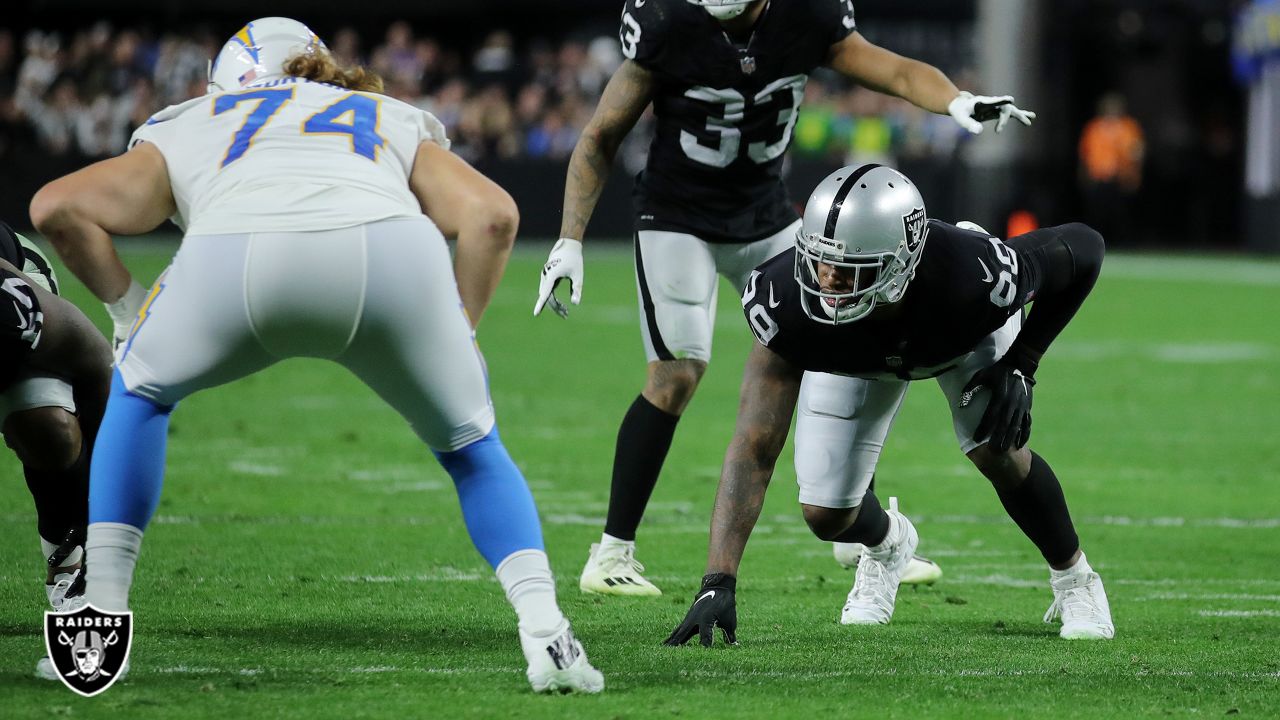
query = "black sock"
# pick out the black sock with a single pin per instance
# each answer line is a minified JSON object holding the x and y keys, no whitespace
{"x":871,"y":526}
{"x":61,"y":497}
{"x":643,"y":442}
{"x":1039,"y":508}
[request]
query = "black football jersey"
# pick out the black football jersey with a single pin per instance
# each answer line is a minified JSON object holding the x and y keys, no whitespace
{"x":725,"y":111}
{"x":20,"y":316}
{"x":10,"y":248}
{"x":20,"y":324}
{"x":967,"y":285}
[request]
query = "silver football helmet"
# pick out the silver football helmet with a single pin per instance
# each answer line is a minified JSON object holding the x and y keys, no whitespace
{"x":868,"y":226}
{"x":258,"y":51}
{"x":723,"y":9}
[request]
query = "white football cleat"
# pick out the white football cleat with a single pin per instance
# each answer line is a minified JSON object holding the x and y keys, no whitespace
{"x":875,"y":586}
{"x":613,"y":570}
{"x":557,"y":663}
{"x":1081,"y":601}
{"x":920,"y":571}
{"x":64,"y":594}
{"x":45,"y":670}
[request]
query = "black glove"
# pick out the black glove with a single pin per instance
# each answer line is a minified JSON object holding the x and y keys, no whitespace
{"x":1008,"y":417}
{"x":712,"y":605}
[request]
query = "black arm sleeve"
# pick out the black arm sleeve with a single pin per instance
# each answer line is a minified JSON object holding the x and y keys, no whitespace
{"x":1062,"y":264}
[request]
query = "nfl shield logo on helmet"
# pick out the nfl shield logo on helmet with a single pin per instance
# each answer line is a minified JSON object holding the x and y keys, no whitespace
{"x":88,"y":647}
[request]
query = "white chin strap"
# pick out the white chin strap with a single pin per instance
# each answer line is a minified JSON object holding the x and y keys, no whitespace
{"x":725,"y":12}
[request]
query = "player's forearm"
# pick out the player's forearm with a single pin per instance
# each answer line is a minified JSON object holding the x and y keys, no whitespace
{"x":86,"y":249}
{"x":924,"y":86}
{"x":1069,"y":258}
{"x":484,"y":246}
{"x":739,"y":500}
{"x":589,"y":169}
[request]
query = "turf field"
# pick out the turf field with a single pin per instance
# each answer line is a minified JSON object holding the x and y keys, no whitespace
{"x":309,"y":559}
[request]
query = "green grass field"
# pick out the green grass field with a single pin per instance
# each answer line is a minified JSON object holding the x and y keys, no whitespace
{"x":309,"y":559}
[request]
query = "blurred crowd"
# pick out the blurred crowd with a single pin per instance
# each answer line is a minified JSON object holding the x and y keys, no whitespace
{"x":80,"y":95}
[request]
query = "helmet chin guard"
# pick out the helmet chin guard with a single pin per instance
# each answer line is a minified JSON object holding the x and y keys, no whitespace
{"x":258,"y":52}
{"x":869,"y":225}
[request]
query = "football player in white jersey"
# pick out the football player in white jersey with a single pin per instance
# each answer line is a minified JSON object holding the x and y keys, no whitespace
{"x":315,"y":213}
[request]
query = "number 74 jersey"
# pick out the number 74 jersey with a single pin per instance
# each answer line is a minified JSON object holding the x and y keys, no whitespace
{"x":289,"y":155}
{"x":966,"y":287}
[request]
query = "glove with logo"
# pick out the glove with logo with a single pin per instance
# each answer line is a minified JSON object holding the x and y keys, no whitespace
{"x":972,"y":110}
{"x":565,"y":262}
{"x":713,"y":605}
{"x":1007,"y":421}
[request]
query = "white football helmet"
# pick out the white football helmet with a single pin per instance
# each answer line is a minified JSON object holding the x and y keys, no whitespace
{"x":868,"y":222}
{"x":258,"y":52}
{"x":723,"y":9}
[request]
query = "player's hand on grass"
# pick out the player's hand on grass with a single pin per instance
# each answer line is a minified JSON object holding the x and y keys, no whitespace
{"x":972,"y":110}
{"x":713,"y":606}
{"x":1008,"y":417}
{"x":564,"y":263}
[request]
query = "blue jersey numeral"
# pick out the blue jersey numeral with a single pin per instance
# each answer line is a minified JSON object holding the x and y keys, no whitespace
{"x":269,"y":103}
{"x":361,"y":126}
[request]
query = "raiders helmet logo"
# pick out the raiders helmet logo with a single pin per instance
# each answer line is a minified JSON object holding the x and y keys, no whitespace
{"x":916,"y":226}
{"x":88,"y":647}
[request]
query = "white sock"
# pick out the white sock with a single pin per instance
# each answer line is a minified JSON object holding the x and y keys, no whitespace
{"x":526,"y":577}
{"x":1080,"y":568}
{"x":113,"y":552}
{"x":607,"y":540}
{"x":895,"y":529}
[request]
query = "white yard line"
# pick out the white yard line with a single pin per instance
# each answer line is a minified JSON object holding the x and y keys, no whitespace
{"x":1239,"y":613}
{"x":737,"y":674}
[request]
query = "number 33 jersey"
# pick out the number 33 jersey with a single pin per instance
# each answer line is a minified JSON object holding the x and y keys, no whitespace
{"x":725,"y":111}
{"x":289,"y":155}
{"x":966,"y":287}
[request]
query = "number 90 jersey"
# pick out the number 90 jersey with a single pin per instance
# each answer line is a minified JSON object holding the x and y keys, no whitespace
{"x":289,"y":155}
{"x":966,"y":286}
{"x":725,"y":112}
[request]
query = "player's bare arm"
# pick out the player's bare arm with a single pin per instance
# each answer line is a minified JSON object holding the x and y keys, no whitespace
{"x":124,"y":195}
{"x":770,"y":386}
{"x":920,"y":84}
{"x":885,"y":71}
{"x":625,"y":97}
{"x":468,"y":206}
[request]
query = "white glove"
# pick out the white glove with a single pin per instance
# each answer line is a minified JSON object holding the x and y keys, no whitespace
{"x":972,"y":110}
{"x":125,"y":311}
{"x":564,"y":262}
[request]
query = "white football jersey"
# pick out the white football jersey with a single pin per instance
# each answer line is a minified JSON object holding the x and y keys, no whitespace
{"x":289,"y":155}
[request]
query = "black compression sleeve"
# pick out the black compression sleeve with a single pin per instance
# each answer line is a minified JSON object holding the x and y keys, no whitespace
{"x":1063,"y":263}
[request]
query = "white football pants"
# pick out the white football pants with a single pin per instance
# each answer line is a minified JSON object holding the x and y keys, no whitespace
{"x":379,"y":299}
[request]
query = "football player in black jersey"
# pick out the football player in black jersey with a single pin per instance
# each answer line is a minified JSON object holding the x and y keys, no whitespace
{"x":873,"y":296}
{"x":55,"y":371}
{"x":725,"y":78}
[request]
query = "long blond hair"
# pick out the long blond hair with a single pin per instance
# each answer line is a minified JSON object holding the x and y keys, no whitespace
{"x":320,"y":66}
